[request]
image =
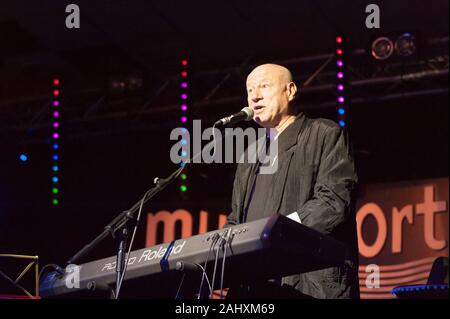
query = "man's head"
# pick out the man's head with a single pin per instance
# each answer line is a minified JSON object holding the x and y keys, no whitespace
{"x":270,"y":89}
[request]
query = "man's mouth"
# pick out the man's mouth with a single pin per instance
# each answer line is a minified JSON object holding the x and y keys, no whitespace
{"x":258,"y":108}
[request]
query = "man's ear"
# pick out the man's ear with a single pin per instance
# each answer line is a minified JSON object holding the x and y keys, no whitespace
{"x":291,"y":91}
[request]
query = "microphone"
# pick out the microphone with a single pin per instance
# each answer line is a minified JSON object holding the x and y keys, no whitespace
{"x":246,"y":114}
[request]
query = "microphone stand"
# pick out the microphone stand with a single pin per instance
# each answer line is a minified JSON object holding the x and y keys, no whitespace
{"x":122,"y":221}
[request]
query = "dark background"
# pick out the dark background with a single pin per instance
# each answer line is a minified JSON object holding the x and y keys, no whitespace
{"x":113,"y":146}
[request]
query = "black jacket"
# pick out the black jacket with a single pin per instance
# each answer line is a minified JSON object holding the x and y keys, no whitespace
{"x":316,"y":177}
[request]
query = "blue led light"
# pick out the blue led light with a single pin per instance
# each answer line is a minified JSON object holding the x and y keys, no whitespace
{"x":341,"y":123}
{"x":55,"y":168}
{"x":55,"y":157}
{"x":23,"y":157}
{"x":341,"y":111}
{"x":55,"y":179}
{"x":55,"y":146}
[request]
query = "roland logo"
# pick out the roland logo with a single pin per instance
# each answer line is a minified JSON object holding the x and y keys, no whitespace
{"x":149,"y":254}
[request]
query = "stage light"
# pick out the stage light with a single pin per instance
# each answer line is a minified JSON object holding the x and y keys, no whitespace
{"x":55,"y":146}
{"x":55,"y":124}
{"x":339,"y":63}
{"x":23,"y":157}
{"x":183,"y":176}
{"x":56,"y":114}
{"x":55,"y":92}
{"x":341,"y":123}
{"x":341,"y":99}
{"x":183,"y":188}
{"x":184,"y":107}
{"x":340,"y":87}
{"x":184,"y":85}
{"x":55,"y":81}
{"x":184,"y":62}
{"x":55,"y":136}
{"x":55,"y":179}
{"x":55,"y":202}
{"x":341,"y":111}
{"x":55,"y":103}
{"x":338,"y":39}
{"x":382,"y":48}
{"x":184,"y":119}
{"x":184,"y":74}
{"x":339,"y":52}
{"x":340,"y":75}
{"x":55,"y":157}
{"x":55,"y":190}
{"x":55,"y":168}
{"x":184,"y":96}
{"x":405,"y":45}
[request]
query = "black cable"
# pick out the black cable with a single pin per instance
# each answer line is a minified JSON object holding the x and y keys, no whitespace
{"x":215,"y":264}
{"x":227,"y":243}
{"x":179,"y":286}
{"x":203,"y":276}
{"x":213,"y":243}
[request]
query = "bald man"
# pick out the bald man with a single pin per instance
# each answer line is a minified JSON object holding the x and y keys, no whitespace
{"x":315,"y":179}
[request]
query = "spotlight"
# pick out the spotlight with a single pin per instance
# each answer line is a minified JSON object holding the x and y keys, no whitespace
{"x":405,"y":45}
{"x":382,"y":48}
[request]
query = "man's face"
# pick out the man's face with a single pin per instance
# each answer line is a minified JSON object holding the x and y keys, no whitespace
{"x":268,"y":94}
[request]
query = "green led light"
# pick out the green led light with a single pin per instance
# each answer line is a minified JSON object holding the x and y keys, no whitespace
{"x":55,"y":201}
{"x":183,"y":177}
{"x":55,"y":190}
{"x":183,"y":188}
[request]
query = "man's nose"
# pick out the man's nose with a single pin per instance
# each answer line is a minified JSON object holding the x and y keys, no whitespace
{"x":256,"y":96}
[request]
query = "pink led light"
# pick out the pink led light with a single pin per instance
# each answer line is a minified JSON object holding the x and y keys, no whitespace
{"x":56,"y":114}
{"x":184,"y":62}
{"x":184,"y":74}
{"x":341,"y":99}
{"x":184,"y":107}
{"x":184,"y":119}
{"x":55,"y":92}
{"x":55,"y":124}
{"x":56,"y":82}
{"x":55,"y":136}
{"x":55,"y":103}
{"x":340,"y":87}
{"x":338,"y":39}
{"x":339,"y":63}
{"x":340,"y":75}
{"x":184,"y":85}
{"x":184,"y":96}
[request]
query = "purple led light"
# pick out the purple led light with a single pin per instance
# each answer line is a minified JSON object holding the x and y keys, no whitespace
{"x":184,"y":85}
{"x":341,"y":99}
{"x":55,"y":136}
{"x":184,"y":119}
{"x":55,"y":103}
{"x":340,"y":87}
{"x":55,"y":124}
{"x":184,"y":96}
{"x":340,"y":75}
{"x":339,"y":63}
{"x":56,"y":114}
{"x":184,"y":107}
